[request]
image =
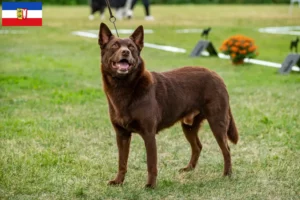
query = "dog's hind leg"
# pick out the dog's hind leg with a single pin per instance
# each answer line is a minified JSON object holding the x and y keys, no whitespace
{"x":190,"y":129}
{"x":219,"y":124}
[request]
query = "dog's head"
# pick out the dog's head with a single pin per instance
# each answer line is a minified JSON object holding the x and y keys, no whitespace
{"x":120,"y":57}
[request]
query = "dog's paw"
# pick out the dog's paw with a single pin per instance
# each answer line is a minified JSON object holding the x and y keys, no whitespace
{"x":115,"y":182}
{"x":186,"y":169}
{"x":150,"y":186}
{"x":227,"y":173}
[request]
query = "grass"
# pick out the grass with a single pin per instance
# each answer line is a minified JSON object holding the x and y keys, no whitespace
{"x":56,"y":140}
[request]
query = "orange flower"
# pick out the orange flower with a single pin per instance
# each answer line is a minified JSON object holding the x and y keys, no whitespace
{"x":246,"y":44}
{"x":223,"y":48}
{"x":225,"y":42}
{"x":234,"y":49}
{"x":252,"y":48}
{"x":239,"y":46}
{"x":243,"y":51}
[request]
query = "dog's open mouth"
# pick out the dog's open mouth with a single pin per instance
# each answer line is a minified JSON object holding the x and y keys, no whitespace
{"x":122,"y":66}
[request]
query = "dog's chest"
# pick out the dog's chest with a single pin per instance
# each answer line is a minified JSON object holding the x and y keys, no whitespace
{"x":126,"y":121}
{"x":122,"y":116}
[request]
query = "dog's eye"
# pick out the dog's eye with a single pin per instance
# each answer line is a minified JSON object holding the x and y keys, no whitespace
{"x":115,"y":46}
{"x":131,"y":47}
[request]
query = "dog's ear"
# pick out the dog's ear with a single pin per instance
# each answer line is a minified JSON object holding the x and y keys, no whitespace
{"x":138,"y":37}
{"x":104,"y":35}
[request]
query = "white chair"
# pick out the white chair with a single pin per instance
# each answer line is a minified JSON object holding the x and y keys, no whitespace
{"x":292,"y":3}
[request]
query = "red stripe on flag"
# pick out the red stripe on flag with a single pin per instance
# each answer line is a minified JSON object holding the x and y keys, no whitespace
{"x":22,"y":22}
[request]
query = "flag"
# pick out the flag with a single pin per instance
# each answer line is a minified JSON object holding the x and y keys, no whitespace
{"x":22,"y":14}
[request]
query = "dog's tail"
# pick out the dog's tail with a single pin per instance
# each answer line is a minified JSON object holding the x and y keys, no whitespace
{"x":232,"y":131}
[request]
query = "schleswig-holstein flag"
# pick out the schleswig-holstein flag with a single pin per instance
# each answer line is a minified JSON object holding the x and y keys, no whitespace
{"x":22,"y":14}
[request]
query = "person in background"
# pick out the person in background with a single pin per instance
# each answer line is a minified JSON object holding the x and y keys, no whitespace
{"x":146,"y":4}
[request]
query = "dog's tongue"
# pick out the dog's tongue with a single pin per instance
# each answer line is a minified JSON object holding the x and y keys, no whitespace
{"x":123,"y":65}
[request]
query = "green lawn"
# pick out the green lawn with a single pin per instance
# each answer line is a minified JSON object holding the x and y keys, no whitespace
{"x":56,"y":140}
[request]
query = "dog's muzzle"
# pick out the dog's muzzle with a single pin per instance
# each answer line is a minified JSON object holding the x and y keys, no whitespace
{"x":122,"y":66}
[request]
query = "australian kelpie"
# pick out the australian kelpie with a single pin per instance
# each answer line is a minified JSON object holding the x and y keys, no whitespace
{"x":146,"y":102}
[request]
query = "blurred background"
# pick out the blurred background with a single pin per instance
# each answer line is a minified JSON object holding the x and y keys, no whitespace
{"x":56,"y":139}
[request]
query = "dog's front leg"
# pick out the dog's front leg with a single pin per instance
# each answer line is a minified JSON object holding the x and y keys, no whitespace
{"x":150,"y":143}
{"x":123,"y":141}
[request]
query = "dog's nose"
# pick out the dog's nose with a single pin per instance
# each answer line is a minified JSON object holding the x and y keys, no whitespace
{"x":125,"y":52}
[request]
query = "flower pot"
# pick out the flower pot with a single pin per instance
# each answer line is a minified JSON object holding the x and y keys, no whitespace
{"x":238,"y":62}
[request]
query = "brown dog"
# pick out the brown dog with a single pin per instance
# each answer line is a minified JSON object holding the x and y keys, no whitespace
{"x":147,"y":102}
